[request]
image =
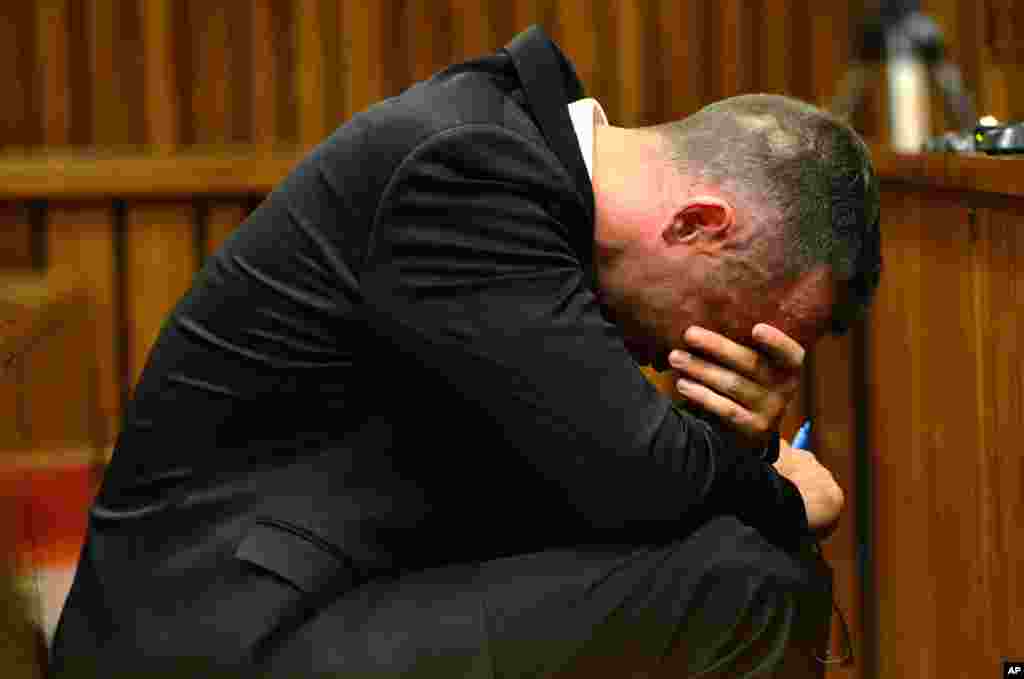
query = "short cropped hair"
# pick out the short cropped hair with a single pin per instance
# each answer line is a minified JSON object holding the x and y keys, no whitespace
{"x":813,"y":168}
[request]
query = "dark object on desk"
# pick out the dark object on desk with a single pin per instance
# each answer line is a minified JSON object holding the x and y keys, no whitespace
{"x":991,"y":139}
{"x":1000,"y":139}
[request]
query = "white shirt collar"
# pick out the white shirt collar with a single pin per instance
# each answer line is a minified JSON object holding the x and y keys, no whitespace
{"x":585,"y":114}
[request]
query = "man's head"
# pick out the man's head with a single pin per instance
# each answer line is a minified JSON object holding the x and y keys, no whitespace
{"x":756,"y":208}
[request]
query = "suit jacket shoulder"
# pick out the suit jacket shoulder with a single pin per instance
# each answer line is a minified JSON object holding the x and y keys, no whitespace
{"x":525,"y":88}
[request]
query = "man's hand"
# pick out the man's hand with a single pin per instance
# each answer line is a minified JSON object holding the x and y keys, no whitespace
{"x":823,"y":498}
{"x":747,"y":389}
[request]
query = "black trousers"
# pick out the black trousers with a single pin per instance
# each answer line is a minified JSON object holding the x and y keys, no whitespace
{"x":721,"y":603}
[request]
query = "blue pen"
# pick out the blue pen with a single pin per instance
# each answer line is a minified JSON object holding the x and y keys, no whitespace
{"x":803,"y":436}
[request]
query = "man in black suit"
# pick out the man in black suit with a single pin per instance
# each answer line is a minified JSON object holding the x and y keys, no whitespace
{"x":397,"y":425}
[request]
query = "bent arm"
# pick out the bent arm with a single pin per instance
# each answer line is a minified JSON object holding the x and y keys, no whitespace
{"x":475,"y":265}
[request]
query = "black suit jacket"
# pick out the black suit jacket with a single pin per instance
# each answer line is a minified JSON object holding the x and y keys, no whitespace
{"x":397,"y":362}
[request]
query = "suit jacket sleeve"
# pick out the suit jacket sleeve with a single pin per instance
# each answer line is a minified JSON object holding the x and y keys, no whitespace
{"x":474,"y":268}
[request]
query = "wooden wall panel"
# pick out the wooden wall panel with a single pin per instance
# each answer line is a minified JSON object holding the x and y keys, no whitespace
{"x":220,"y":72}
{"x":271,"y":26}
{"x":577,"y":30}
{"x":82,"y":248}
{"x":283,"y":71}
{"x":525,"y":13}
{"x":683,"y":62}
{"x":944,"y":401}
{"x":160,"y":261}
{"x":367,"y":76}
{"x":474,"y":29}
{"x":426,"y":30}
{"x":222,"y":219}
{"x":240,"y":71}
{"x":632,"y":26}
{"x":80,"y":73}
{"x":115,"y":43}
{"x":901,"y":468}
{"x":53,"y":71}
{"x":288,"y":94}
{"x":776,"y":69}
{"x":997,"y":278}
{"x":20,"y":122}
{"x":162,"y":103}
{"x":266,"y":71}
{"x":831,"y":35}
{"x":732,"y":32}
{"x":60,"y":375}
{"x":15,"y":237}
{"x":310,"y":71}
{"x":333,"y":104}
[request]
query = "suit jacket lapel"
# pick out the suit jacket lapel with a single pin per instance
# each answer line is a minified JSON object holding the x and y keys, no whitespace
{"x":550,"y":83}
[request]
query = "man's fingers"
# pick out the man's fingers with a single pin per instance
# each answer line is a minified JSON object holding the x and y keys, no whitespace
{"x":743,"y":386}
{"x":725,"y":381}
{"x":726,"y":409}
{"x":781,"y":347}
{"x":723,"y":350}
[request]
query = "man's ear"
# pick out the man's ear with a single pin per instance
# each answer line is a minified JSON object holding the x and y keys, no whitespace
{"x":699,"y":217}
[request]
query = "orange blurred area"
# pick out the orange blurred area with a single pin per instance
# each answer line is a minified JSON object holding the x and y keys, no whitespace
{"x":44,"y":502}
{"x":45,"y":510}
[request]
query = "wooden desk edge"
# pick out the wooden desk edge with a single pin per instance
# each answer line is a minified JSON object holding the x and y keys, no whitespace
{"x":84,"y":176}
{"x":254,"y":171}
{"x":952,"y":171}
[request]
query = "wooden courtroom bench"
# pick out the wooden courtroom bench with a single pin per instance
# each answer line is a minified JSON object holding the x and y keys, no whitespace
{"x":49,"y":455}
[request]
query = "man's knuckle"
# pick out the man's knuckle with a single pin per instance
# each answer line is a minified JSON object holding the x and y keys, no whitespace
{"x":765,"y":372}
{"x":834,"y":498}
{"x":760,"y":424}
{"x":757,"y":365}
{"x":732,"y":414}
